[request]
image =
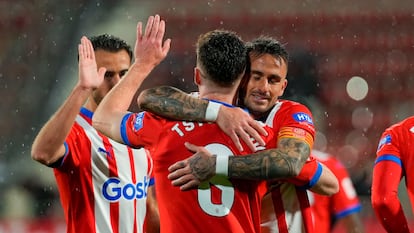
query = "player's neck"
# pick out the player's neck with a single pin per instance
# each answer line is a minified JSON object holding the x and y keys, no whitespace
{"x":225,"y":95}
{"x":225,"y":98}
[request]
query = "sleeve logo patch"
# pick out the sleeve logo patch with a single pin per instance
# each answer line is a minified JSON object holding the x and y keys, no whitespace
{"x":385,"y":140}
{"x":302,"y":117}
{"x":139,"y":121}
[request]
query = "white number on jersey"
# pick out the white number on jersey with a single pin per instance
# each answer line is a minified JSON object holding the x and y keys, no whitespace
{"x":219,"y":182}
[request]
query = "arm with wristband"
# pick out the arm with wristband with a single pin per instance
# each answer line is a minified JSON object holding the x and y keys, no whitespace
{"x":316,"y":177}
{"x":264,"y":165}
{"x":173,"y":103}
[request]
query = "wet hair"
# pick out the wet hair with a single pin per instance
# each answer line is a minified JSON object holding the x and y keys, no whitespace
{"x":110,"y":43}
{"x":267,"y":45}
{"x":221,"y":56}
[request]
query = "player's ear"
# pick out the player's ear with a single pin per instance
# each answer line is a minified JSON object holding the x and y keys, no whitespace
{"x":197,"y":77}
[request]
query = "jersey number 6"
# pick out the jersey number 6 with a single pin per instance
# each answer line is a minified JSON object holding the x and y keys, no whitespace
{"x":218,"y":187}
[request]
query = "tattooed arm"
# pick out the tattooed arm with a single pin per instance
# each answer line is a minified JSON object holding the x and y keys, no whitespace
{"x":172,"y":103}
{"x":175,"y":104}
{"x":283,"y":162}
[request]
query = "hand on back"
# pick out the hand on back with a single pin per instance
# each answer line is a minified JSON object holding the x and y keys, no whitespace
{"x":238,"y":124}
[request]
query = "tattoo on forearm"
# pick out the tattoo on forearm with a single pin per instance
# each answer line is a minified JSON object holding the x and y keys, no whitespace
{"x":172,"y":103}
{"x":285,"y":161}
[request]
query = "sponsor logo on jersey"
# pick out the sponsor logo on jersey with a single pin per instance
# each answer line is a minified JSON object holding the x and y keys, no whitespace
{"x":384,"y":140}
{"x":104,"y":152}
{"x":139,"y":121}
{"x":114,"y":190}
{"x":302,"y":117}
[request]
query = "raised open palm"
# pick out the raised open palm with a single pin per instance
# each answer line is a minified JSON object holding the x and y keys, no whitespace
{"x":89,"y":75}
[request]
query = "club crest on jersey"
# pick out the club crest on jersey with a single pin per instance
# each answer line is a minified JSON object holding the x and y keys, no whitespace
{"x":384,"y":140}
{"x":302,"y":117}
{"x":139,"y":121}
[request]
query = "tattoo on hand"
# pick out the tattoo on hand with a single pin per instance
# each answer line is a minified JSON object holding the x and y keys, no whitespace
{"x":201,"y":168}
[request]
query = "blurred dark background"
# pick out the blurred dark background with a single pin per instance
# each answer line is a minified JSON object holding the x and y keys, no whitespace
{"x":352,"y":64}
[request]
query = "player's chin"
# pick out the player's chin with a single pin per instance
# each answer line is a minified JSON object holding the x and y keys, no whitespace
{"x":258,"y":107}
{"x":259,"y":102}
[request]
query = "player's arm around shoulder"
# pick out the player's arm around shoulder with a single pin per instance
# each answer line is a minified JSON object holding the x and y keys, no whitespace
{"x":285,"y":161}
{"x":175,"y":104}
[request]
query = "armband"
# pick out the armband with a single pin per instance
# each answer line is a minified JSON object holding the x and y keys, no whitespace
{"x":212,"y":111}
{"x":222,"y":165}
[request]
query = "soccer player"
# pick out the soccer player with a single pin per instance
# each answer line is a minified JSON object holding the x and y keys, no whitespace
{"x":103,"y":185}
{"x":340,"y":209}
{"x":288,"y":205}
{"x":220,"y":205}
{"x":395,"y":155}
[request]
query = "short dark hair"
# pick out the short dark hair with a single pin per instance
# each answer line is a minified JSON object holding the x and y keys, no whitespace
{"x":111,"y":43}
{"x":221,"y":54}
{"x":267,"y":45}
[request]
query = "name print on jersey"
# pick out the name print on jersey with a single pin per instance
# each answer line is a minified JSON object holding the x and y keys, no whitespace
{"x":113,"y":189}
{"x":185,"y":126}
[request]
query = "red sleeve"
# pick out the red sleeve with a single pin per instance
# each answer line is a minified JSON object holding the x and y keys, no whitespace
{"x":292,"y":116}
{"x":290,"y":119}
{"x":308,"y":176}
{"x":385,"y":202}
{"x":142,"y":129}
{"x":387,"y":175}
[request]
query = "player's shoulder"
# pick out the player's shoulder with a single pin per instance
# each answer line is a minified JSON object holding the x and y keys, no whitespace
{"x":291,"y":103}
{"x":402,"y":127}
{"x":407,"y":123}
{"x":291,"y":107}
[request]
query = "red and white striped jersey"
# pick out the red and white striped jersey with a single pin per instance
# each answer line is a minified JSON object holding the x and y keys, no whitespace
{"x":103,"y":184}
{"x":286,"y":208}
